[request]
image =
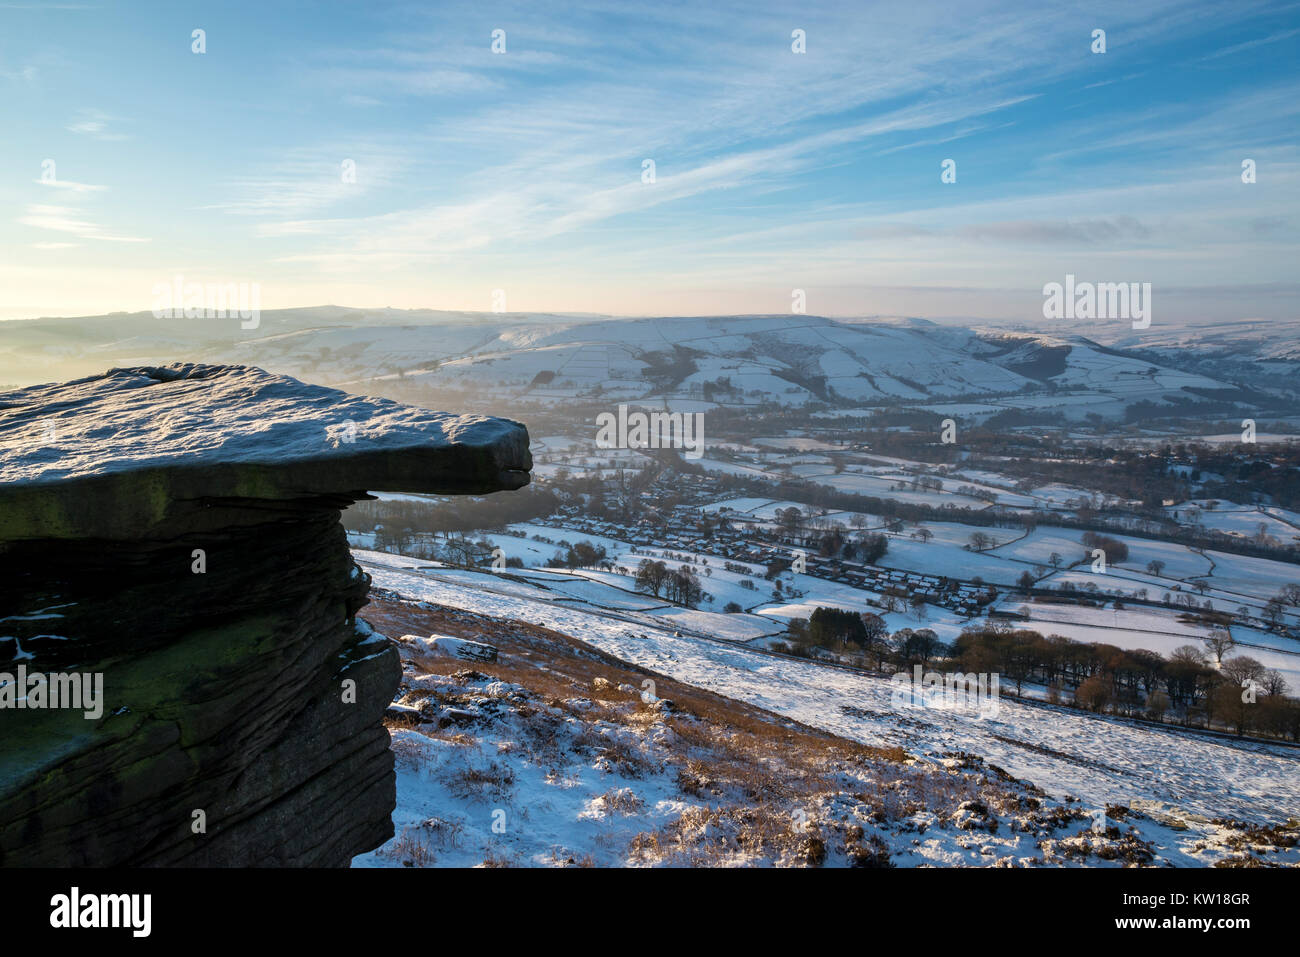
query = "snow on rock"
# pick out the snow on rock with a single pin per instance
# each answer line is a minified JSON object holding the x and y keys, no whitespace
{"x":114,"y":455}
{"x":445,"y":646}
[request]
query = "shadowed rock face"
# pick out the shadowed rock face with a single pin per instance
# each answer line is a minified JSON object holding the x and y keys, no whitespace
{"x":247,"y":691}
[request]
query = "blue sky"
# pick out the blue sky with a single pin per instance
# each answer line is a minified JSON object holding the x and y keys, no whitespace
{"x":522,"y":171}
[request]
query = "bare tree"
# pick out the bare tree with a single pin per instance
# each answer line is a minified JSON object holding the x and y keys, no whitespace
{"x":1217,"y":643}
{"x":1273,"y":611}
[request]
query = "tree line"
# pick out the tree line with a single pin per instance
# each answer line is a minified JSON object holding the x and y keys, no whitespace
{"x":1204,"y":686}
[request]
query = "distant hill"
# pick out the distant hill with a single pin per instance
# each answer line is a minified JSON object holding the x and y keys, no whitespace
{"x":791,"y":360}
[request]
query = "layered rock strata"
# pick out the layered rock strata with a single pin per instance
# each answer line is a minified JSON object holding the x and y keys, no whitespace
{"x":176,"y":532}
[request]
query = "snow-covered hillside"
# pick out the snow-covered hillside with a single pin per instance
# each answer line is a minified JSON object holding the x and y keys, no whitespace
{"x":544,"y":750}
{"x":1101,"y":760}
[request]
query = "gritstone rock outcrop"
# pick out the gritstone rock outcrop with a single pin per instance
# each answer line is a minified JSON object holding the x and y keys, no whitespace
{"x":177,"y":530}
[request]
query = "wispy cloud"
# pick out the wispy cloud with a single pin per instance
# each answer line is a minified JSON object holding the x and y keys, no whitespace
{"x":1073,"y":232}
{"x":70,"y":185}
{"x":95,"y":123}
{"x":1252,"y":44}
{"x":515,"y":203}
{"x":308,"y":180}
{"x":65,"y":219}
